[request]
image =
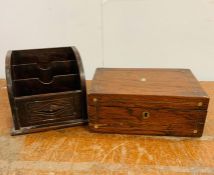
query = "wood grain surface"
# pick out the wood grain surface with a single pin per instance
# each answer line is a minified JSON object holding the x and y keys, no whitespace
{"x":76,"y":151}
{"x":161,"y":122}
{"x":142,"y":81}
{"x":163,"y":102}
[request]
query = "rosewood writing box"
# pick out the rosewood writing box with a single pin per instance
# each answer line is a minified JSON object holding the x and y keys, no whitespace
{"x":147,"y":101}
{"x":46,"y":89}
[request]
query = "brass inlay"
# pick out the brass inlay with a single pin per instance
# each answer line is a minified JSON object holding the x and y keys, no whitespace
{"x":145,"y":115}
{"x":200,"y":104}
{"x":195,"y":131}
{"x":95,"y":100}
{"x":96,"y":126}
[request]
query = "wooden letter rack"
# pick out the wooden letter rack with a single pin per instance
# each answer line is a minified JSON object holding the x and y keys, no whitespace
{"x":46,"y":89}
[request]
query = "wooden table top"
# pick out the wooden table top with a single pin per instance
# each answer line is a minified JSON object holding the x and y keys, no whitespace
{"x":77,"y":151}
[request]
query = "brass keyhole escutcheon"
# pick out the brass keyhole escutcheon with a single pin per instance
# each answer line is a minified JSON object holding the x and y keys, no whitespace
{"x":145,"y":115}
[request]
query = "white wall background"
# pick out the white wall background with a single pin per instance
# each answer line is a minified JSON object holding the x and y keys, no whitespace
{"x":115,"y":33}
{"x":51,"y":23}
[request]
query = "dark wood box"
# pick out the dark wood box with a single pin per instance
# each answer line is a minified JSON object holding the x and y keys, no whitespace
{"x":46,"y":89}
{"x":147,"y":101}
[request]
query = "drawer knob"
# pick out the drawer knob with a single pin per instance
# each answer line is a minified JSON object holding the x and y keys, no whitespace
{"x":145,"y":115}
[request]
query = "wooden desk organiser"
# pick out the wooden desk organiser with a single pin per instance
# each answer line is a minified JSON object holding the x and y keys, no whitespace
{"x":46,"y":89}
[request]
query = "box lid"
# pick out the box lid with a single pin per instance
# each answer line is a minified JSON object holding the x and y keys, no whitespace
{"x":151,"y":84}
